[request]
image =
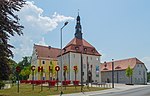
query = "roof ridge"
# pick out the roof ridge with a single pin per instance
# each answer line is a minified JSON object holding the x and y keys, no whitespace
{"x":46,"y":46}
{"x":121,"y":60}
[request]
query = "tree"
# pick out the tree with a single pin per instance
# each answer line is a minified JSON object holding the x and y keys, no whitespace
{"x":12,"y":65}
{"x":129,"y":73}
{"x":25,"y":66}
{"x":25,"y":72}
{"x":9,"y":26}
{"x":148,"y":76}
{"x":53,"y":71}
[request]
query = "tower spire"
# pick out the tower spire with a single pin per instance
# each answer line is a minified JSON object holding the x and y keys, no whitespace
{"x":78,"y":12}
{"x":78,"y":28}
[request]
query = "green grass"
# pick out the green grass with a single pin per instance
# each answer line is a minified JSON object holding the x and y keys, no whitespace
{"x":26,"y":90}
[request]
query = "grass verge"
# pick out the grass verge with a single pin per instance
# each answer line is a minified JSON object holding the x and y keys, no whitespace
{"x":26,"y":90}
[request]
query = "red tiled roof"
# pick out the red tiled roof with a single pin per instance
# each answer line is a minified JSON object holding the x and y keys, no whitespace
{"x":77,"y":45}
{"x":46,"y":51}
{"x":120,"y":64}
{"x":74,"y":41}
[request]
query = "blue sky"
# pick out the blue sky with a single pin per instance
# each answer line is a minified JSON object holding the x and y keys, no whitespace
{"x":118,"y":29}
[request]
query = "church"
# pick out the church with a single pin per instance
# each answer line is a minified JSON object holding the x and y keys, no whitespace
{"x":78,"y":52}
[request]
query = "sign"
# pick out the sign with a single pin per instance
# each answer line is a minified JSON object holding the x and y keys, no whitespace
{"x":57,"y":68}
{"x":40,"y":69}
{"x":97,"y":71}
{"x":75,"y":68}
{"x":33,"y":68}
{"x":65,"y":68}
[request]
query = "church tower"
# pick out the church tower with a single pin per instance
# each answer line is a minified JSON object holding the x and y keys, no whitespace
{"x":78,"y":28}
{"x":72,"y":53}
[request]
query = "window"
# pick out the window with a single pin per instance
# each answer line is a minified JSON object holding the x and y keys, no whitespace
{"x":139,"y":72}
{"x":135,"y":79}
{"x":84,"y":66}
{"x":73,"y":55}
{"x":77,"y":48}
{"x":138,"y":65}
{"x":64,"y":49}
{"x":141,"y":65}
{"x":93,"y":50}
{"x":85,"y":49}
{"x":141,"y":79}
{"x":43,"y":62}
{"x":97,"y":59}
{"x":91,"y":58}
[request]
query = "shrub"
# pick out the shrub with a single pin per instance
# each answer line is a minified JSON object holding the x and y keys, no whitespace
{"x":2,"y":84}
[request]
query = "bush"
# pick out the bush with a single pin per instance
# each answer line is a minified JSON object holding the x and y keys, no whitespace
{"x":2,"y":84}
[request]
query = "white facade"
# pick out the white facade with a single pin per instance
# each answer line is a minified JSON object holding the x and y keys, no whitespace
{"x":139,"y":75}
{"x":74,"y":59}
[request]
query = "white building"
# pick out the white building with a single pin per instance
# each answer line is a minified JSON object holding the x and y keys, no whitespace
{"x":139,"y":71}
{"x":79,"y":50}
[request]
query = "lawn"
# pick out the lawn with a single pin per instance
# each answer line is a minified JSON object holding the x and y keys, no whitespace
{"x":26,"y":90}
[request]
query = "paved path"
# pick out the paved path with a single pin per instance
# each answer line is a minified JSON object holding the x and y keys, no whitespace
{"x":139,"y":91}
{"x":118,"y":89}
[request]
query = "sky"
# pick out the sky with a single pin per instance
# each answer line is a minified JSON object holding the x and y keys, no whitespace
{"x":118,"y":29}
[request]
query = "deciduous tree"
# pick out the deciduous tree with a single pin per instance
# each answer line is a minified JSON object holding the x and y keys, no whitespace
{"x":129,"y":73}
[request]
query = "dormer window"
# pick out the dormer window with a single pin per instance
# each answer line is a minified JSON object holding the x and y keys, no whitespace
{"x":49,"y":47}
{"x":64,"y":49}
{"x":93,"y":50}
{"x":85,"y":49}
{"x":118,"y":67}
{"x":77,"y":48}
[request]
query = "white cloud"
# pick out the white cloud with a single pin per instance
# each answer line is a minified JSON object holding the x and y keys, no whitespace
{"x":36,"y":25}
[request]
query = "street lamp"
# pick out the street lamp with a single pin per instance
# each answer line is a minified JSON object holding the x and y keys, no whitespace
{"x":112,"y":73}
{"x":61,"y":51}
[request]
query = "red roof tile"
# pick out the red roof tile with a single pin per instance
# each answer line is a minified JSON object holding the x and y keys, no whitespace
{"x":77,"y":45}
{"x":76,"y":41}
{"x":46,"y":51}
{"x":120,"y":64}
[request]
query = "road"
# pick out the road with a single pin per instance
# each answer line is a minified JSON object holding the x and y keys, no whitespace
{"x":141,"y":91}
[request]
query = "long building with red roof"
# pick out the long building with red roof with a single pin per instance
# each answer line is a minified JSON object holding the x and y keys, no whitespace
{"x":139,"y":71}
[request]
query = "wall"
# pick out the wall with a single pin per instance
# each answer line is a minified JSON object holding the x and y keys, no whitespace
{"x":74,"y":59}
{"x":139,"y":75}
